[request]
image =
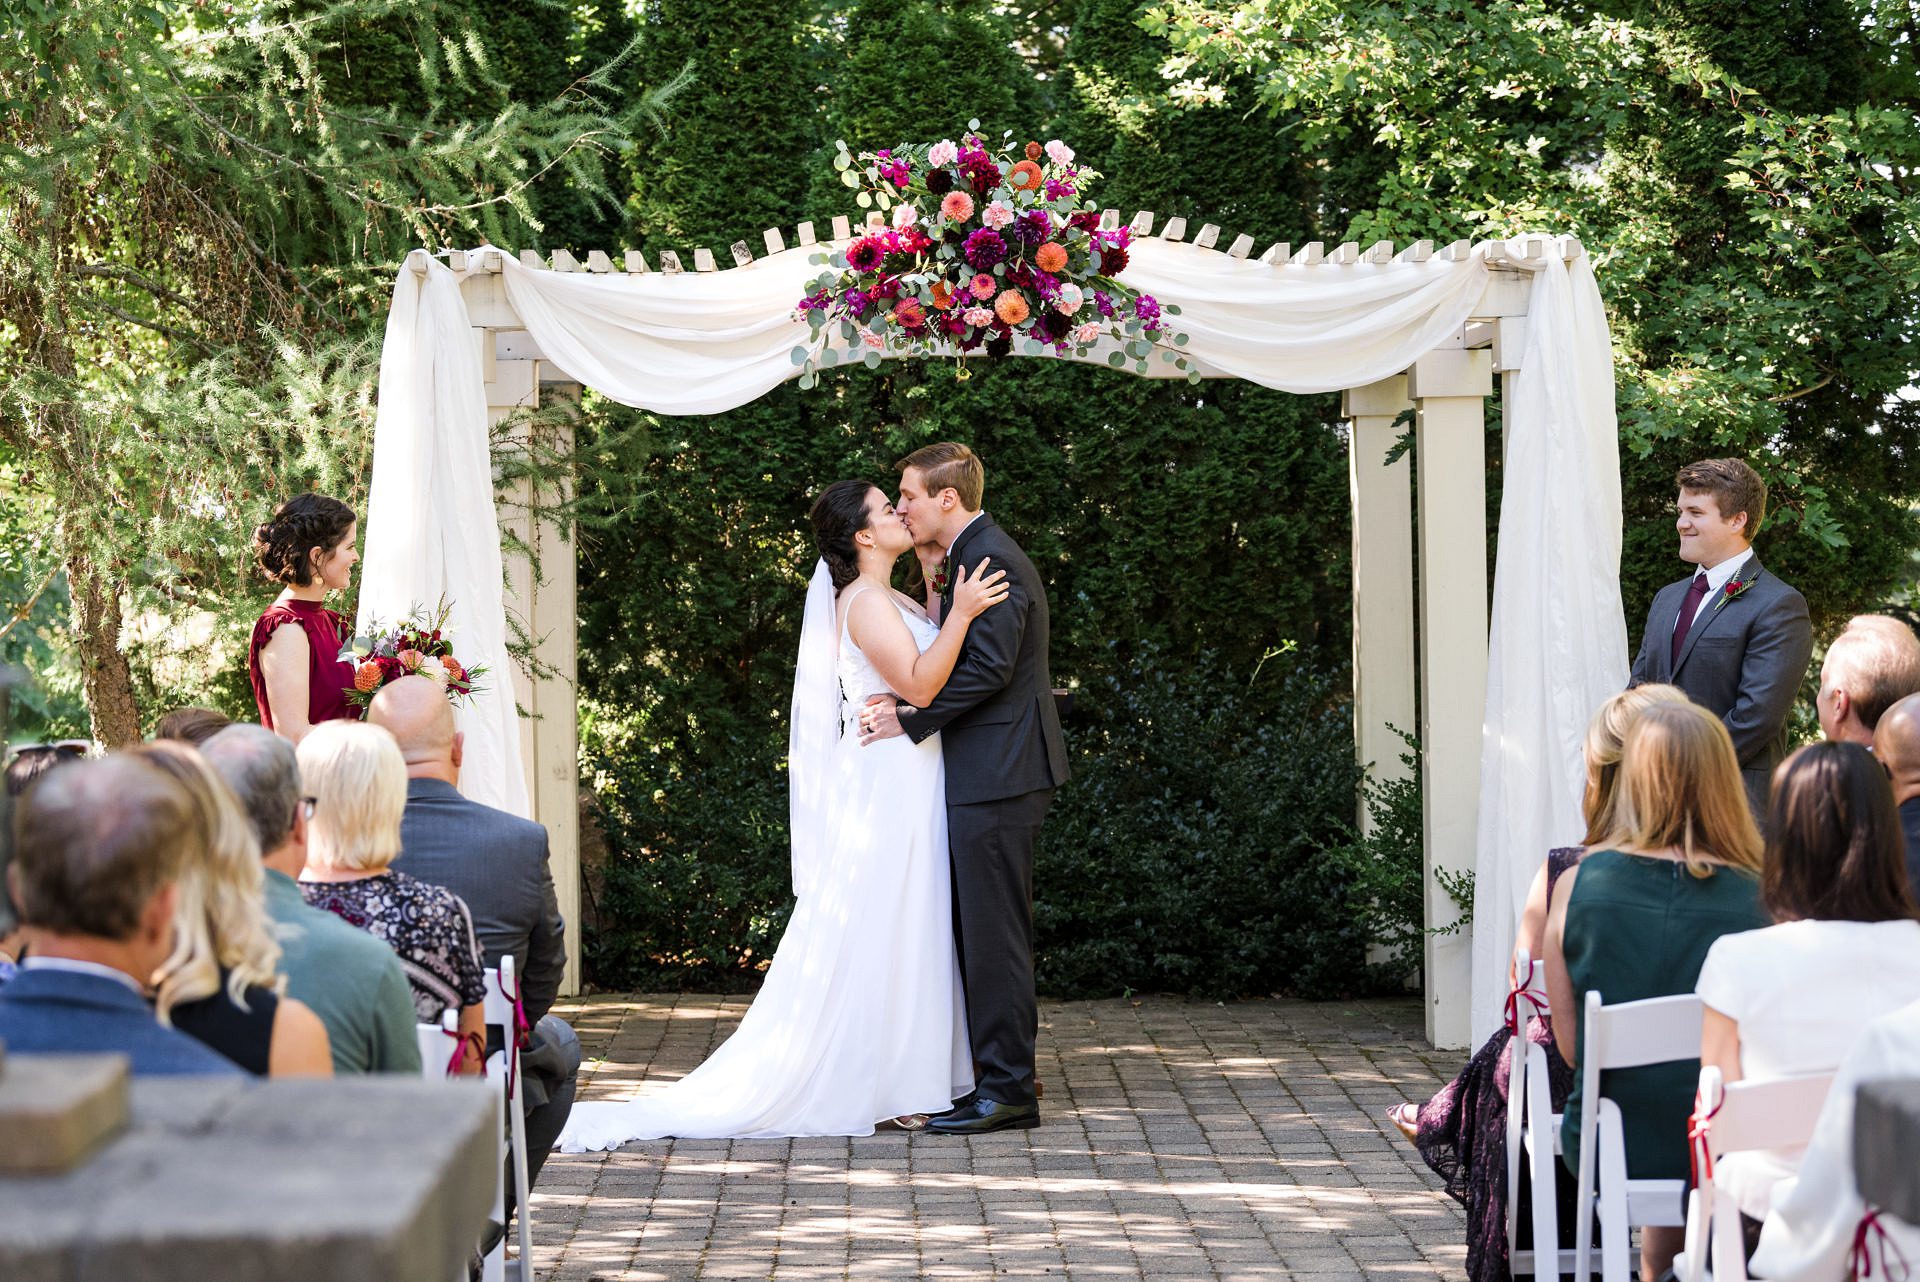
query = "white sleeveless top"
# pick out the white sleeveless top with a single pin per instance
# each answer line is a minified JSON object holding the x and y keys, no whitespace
{"x":859,"y":679}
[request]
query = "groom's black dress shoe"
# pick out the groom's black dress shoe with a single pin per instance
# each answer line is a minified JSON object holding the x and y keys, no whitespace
{"x":979,"y":1116}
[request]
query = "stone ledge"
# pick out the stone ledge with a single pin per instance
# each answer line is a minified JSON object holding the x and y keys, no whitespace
{"x":372,"y":1178}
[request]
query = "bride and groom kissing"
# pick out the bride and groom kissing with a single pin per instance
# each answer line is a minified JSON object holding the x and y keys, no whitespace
{"x":923,"y":751}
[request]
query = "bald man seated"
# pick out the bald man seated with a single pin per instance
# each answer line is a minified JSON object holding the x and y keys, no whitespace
{"x":1896,"y":741}
{"x":497,"y":862}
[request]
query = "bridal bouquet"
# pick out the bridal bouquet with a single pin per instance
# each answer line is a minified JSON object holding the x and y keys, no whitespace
{"x":985,"y":247}
{"x":417,"y":645}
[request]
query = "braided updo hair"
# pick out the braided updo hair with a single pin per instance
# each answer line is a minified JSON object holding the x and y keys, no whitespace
{"x":302,"y":523}
{"x":838,"y":514}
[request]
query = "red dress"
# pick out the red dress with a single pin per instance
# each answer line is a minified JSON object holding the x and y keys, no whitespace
{"x":329,"y":677}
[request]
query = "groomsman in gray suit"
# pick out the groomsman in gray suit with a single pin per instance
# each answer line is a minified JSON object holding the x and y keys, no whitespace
{"x":1730,"y":634}
{"x":497,"y":862}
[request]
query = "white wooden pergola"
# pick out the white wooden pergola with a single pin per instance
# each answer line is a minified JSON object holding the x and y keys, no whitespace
{"x":1445,"y":537}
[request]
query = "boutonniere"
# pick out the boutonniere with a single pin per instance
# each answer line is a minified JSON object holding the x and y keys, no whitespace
{"x":940,"y":577}
{"x":1735,"y":588}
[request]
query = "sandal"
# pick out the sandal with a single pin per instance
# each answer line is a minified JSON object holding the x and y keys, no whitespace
{"x":907,"y":1122}
{"x":1406,"y":1119}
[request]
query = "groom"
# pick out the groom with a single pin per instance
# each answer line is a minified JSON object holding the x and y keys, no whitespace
{"x":1004,"y":757}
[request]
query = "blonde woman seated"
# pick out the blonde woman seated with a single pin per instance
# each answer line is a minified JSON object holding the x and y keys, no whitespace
{"x":356,"y":788}
{"x":1461,"y":1131}
{"x":1792,"y":999}
{"x":1677,"y":869}
{"x":220,"y":985}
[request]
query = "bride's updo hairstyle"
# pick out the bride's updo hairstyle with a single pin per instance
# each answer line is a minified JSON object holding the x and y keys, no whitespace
{"x":838,"y":514}
{"x":299,"y":525}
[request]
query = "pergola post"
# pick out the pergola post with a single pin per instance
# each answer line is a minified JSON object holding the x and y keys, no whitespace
{"x":1383,"y":666}
{"x":1448,"y":388}
{"x":540,"y":599}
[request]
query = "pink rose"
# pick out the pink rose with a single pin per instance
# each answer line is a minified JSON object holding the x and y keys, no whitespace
{"x":978,"y":316}
{"x":905,"y":215}
{"x":1087,"y":333}
{"x":1069,"y":300}
{"x":998,"y":214}
{"x":871,"y":339}
{"x":942,"y":153}
{"x":1059,"y":153}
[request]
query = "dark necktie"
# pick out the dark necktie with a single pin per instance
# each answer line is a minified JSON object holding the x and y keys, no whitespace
{"x":1688,"y":608}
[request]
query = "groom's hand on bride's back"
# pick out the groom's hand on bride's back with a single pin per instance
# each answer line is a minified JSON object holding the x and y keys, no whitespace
{"x":880,"y":719}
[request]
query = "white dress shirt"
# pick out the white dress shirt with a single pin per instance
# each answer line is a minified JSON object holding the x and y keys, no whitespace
{"x":963,"y":530}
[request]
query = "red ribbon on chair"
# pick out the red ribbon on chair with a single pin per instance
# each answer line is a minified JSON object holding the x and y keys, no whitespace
{"x":1860,"y":1254}
{"x":1514,"y":997}
{"x":459,"y":1050}
{"x":1699,"y":1156}
{"x":522,"y":1031}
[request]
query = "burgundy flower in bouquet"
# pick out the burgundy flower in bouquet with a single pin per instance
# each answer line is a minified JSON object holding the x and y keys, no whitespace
{"x":990,"y":245}
{"x":419,"y":645}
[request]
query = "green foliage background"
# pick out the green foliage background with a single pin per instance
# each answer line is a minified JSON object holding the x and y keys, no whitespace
{"x":1743,"y":174}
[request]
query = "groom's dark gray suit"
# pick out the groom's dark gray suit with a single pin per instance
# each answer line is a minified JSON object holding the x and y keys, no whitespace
{"x":1743,"y":660}
{"x":1004,"y":757}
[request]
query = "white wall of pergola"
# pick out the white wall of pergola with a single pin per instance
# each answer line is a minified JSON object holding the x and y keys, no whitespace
{"x":1445,"y":537}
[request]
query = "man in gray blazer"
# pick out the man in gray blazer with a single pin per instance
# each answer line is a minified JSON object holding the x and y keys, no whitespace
{"x":1731,"y":635}
{"x":1000,"y":737}
{"x":497,"y":863}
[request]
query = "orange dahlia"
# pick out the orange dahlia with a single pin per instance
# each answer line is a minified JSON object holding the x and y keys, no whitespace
{"x":366,"y":678}
{"x":956,"y":207}
{"x":1033,"y":151}
{"x":1026,"y":176}
{"x":454,"y":671}
{"x":1011,"y":307}
{"x":1052,"y":256}
{"x":942,"y":295}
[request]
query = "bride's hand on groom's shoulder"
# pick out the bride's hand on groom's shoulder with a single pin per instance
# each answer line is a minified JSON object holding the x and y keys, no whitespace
{"x":973,"y":597}
{"x":880,"y":719}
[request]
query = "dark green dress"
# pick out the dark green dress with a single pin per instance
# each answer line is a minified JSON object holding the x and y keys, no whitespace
{"x":1639,"y":928}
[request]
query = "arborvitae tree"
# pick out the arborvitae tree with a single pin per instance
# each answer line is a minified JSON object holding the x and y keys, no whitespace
{"x":193,"y":255}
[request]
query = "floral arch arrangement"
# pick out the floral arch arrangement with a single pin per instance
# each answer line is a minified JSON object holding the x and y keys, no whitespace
{"x":984,"y":248}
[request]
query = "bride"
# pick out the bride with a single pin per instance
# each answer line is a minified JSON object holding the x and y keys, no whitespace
{"x":861,"y":1018}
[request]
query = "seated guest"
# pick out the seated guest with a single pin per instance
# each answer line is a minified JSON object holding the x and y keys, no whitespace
{"x":497,"y":863}
{"x":356,"y":782}
{"x":191,"y":725}
{"x":1810,"y":1233}
{"x":29,"y":763}
{"x":351,"y":980}
{"x":1896,"y":741}
{"x":1845,"y":950}
{"x":1677,"y":869}
{"x":98,"y":854}
{"x":1872,"y":665}
{"x":1461,"y":1131}
{"x":220,"y":985}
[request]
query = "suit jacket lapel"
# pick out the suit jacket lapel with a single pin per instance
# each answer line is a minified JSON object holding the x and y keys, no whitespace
{"x":954,"y":555}
{"x":1714,"y":608}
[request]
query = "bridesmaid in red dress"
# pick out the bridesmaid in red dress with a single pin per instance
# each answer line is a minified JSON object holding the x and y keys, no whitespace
{"x":299,"y":680}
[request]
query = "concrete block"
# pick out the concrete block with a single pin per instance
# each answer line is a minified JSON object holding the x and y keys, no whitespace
{"x":55,"y":1110}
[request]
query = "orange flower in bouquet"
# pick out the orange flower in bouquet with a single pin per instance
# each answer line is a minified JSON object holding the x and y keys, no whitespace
{"x":419,"y":645}
{"x":1052,"y":256}
{"x":1011,"y":307}
{"x":1026,"y":176}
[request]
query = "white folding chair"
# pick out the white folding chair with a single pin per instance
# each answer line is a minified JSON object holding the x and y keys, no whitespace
{"x":502,"y":1011}
{"x":436,"y":1045}
{"x":1658,"y":1030}
{"x":1533,"y":1130}
{"x":1731,"y":1119}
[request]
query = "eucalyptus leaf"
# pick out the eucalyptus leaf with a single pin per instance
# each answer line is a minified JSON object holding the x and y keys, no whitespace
{"x":1116,"y":359}
{"x":864,"y":200}
{"x":798,"y":356}
{"x":830,"y":356}
{"x":871,"y":359}
{"x":808,"y":381}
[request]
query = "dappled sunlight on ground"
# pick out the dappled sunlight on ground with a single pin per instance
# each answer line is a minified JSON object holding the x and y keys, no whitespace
{"x":1181,"y":1140}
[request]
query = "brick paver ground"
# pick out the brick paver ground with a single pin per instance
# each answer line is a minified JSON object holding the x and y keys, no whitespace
{"x":1181,"y":1140}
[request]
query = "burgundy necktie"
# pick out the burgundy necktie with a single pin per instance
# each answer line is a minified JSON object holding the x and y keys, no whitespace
{"x":1688,"y":608}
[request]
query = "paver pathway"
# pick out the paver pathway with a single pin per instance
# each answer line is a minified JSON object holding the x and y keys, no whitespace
{"x":1182,"y":1140}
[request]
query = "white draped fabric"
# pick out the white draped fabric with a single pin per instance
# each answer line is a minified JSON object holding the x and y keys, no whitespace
{"x":703,"y":342}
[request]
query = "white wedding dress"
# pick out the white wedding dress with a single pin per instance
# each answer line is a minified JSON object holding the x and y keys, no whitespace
{"x":862,"y":1016}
